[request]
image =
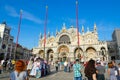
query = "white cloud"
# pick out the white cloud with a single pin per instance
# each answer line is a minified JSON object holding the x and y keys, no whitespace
{"x":26,"y":15}
{"x":11,"y":11}
{"x":80,"y":21}
{"x":29,"y":16}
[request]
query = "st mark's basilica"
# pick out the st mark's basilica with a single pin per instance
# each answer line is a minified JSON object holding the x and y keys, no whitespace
{"x":64,"y":45}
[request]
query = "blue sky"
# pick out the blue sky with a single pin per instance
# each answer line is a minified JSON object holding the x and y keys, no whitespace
{"x":105,"y":13}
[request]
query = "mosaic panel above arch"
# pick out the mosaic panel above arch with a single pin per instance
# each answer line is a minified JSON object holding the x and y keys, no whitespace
{"x":91,"y":53}
{"x":62,"y":49}
{"x":41,"y":53}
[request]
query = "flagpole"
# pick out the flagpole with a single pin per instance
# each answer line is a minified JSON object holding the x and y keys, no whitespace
{"x":77,"y":27}
{"x":18,"y":34}
{"x":45,"y":25}
{"x":77,"y":21}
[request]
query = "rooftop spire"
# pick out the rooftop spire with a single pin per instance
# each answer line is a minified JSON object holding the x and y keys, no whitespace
{"x":56,"y":32}
{"x":48,"y":34}
{"x":82,"y":29}
{"x":64,"y":26}
{"x":40,"y":36}
{"x":95,"y":28}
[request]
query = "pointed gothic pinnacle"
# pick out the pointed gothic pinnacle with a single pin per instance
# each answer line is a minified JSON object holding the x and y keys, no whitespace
{"x":76,"y":2}
{"x":21,"y":11}
{"x":82,"y":28}
{"x":46,"y":7}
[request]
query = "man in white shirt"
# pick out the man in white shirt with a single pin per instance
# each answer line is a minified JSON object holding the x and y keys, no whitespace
{"x":65,"y":66}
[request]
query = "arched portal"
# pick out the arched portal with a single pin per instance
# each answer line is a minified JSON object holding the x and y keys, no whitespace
{"x":78,"y":53}
{"x":91,"y":53}
{"x":63,"y":53}
{"x":50,"y":55}
{"x":103,"y":53}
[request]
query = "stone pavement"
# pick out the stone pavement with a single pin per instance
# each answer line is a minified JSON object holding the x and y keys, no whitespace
{"x":4,"y":76}
{"x":58,"y":76}
{"x":61,"y":75}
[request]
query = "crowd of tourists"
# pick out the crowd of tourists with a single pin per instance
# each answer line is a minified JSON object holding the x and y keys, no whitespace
{"x":95,"y":70}
{"x":6,"y":65}
{"x":38,"y":67}
{"x":63,"y":65}
{"x":35,"y":67}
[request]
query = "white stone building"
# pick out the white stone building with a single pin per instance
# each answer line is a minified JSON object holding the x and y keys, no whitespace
{"x":6,"y":41}
{"x":7,"y":46}
{"x":65,"y":46}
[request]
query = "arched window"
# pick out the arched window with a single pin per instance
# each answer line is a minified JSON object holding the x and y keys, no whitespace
{"x":64,"y":39}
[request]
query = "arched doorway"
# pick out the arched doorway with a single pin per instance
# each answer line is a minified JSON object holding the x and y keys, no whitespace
{"x":63,"y":56}
{"x":63,"y":53}
{"x":103,"y":54}
{"x":50,"y":55}
{"x":91,"y":53}
{"x":78,"y":53}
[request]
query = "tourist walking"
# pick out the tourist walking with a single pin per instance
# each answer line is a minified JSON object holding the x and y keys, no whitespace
{"x":90,"y":70}
{"x":116,"y":69}
{"x":20,"y":72}
{"x":69,"y":66}
{"x":4,"y":65}
{"x":77,"y":68}
{"x":65,"y":66}
{"x":30,"y":65}
{"x":35,"y":68}
{"x":56,"y":66}
{"x":60,"y":64}
{"x":100,"y":71}
{"x":111,"y":71}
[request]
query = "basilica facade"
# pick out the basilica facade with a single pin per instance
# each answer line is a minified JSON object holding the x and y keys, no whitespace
{"x":64,"y":46}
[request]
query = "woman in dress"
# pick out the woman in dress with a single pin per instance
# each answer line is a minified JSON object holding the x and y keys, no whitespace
{"x":35,"y":68}
{"x":30,"y":65}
